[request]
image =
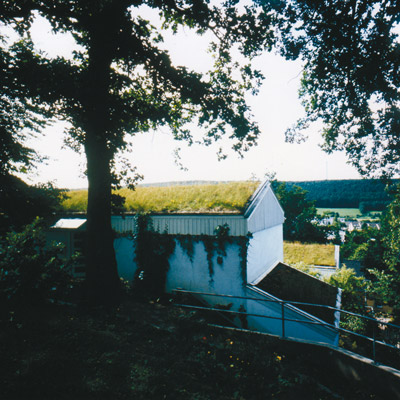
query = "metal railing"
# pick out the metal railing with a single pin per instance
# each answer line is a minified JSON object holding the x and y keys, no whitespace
{"x":377,"y":324}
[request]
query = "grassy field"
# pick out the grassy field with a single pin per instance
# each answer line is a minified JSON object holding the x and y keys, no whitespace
{"x":350,"y":213}
{"x":343,"y":212}
{"x":227,"y":197}
{"x":309,"y":254}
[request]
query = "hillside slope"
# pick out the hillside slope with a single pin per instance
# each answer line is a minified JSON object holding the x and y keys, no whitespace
{"x":148,"y":351}
{"x":349,"y":193}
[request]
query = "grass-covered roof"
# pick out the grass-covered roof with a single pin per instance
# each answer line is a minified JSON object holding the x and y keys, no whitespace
{"x":309,"y":254}
{"x":231,"y":197}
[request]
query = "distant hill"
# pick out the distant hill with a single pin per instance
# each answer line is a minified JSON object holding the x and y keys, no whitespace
{"x":367,"y":194}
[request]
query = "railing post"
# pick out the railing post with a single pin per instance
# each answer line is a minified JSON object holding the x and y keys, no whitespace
{"x":283,"y":318}
{"x":373,"y":345}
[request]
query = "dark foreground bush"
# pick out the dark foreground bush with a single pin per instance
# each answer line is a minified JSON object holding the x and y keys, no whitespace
{"x":30,"y":271}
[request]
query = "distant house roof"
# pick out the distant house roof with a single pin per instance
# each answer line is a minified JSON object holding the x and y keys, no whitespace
{"x":69,"y":223}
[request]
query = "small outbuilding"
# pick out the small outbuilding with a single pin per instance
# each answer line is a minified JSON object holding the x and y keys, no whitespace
{"x":71,"y":233}
{"x":222,"y":252}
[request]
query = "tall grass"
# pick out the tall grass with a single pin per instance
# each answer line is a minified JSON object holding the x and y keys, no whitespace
{"x":210,"y":198}
{"x":76,"y":201}
{"x":309,"y":254}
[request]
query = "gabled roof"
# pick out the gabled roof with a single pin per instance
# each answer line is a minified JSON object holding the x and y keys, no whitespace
{"x":263,"y":209}
{"x":258,"y":196}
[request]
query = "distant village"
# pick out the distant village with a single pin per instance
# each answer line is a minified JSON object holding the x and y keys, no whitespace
{"x":348,"y":224}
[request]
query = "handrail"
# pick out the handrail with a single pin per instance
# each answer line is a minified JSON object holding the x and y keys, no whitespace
{"x":284,"y":304}
{"x":289,"y":302}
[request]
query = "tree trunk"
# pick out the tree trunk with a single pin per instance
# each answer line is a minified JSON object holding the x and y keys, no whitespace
{"x":102,"y":280}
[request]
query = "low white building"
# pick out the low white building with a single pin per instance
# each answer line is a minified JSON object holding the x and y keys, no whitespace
{"x":262,"y":220}
{"x":232,"y":265}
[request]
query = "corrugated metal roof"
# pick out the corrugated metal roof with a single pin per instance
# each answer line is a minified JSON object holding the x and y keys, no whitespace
{"x":183,"y":224}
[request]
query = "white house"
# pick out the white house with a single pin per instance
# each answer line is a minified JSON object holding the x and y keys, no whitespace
{"x":233,"y":267}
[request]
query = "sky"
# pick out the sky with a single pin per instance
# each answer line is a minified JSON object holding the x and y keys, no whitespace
{"x":275,"y":109}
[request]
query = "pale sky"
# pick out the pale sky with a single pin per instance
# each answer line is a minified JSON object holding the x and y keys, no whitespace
{"x":275,"y":109}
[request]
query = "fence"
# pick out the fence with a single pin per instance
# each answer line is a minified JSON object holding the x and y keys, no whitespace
{"x":379,"y":328}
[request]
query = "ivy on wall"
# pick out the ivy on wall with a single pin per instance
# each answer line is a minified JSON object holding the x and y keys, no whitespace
{"x":216,"y":246}
{"x":243,"y":247}
{"x":153,"y":249}
{"x":213,"y":245}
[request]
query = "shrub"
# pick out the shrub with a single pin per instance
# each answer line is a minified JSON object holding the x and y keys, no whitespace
{"x":30,"y":271}
{"x":308,"y":269}
{"x":353,"y":297}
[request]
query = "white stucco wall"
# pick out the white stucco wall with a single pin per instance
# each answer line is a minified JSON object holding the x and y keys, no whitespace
{"x":194,"y":275}
{"x":187,"y":274}
{"x":265,"y":250}
{"x":265,"y":211}
{"x":125,"y":255}
{"x":226,"y":277}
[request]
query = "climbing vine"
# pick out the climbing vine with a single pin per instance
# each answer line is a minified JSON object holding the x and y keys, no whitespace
{"x":187,"y":244}
{"x":243,"y":247}
{"x":152,"y":252}
{"x":213,"y":245}
{"x":153,"y":249}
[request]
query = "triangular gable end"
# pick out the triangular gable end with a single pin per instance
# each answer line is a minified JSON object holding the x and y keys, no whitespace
{"x":264,"y":210}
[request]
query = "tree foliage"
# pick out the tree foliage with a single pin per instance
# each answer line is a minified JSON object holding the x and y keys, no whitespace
{"x":367,"y":246}
{"x":21,"y":203}
{"x":350,"y":82}
{"x":378,"y":251}
{"x":347,"y":193}
{"x":121,"y":81}
{"x":353,"y":297}
{"x":20,"y":115}
{"x":300,"y":215}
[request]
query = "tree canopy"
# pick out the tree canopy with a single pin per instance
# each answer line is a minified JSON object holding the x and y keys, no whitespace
{"x":300,"y":215}
{"x":22,"y":115}
{"x":351,"y":78}
{"x":120,"y":80}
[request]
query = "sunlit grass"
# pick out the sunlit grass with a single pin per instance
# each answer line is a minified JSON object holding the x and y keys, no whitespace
{"x":309,"y":254}
{"x":221,"y":197}
{"x":343,"y":212}
{"x":76,"y":201}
